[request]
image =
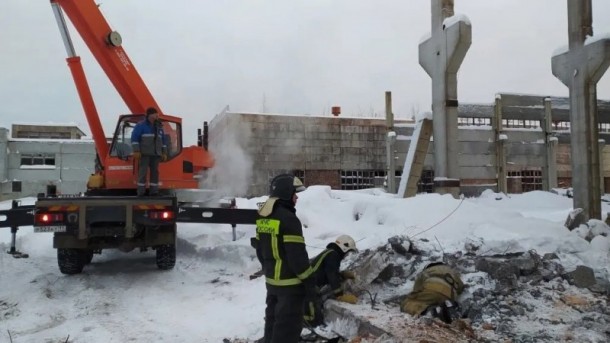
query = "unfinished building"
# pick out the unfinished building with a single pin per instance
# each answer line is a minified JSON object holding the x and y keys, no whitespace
{"x":516,"y":144}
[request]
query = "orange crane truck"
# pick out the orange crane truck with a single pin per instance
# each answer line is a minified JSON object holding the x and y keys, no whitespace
{"x":109,"y":215}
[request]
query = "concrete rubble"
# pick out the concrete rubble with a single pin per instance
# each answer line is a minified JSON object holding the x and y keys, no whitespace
{"x":511,"y":297}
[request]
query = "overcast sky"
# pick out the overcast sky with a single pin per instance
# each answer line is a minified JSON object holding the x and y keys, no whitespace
{"x":300,"y":56}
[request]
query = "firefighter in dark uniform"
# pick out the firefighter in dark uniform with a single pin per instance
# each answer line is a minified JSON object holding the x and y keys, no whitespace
{"x":329,"y":279}
{"x":280,"y":247}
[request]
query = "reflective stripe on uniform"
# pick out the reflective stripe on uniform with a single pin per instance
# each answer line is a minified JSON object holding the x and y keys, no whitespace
{"x":319,"y":262}
{"x":294,"y":239}
{"x":304,"y":275}
{"x":271,"y":227}
{"x":311,"y":315}
{"x":284,"y":282}
{"x":276,"y":257}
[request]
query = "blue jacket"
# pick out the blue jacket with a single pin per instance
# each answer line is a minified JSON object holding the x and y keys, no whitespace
{"x":149,"y":139}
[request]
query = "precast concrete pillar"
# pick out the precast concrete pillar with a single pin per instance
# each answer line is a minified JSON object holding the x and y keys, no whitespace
{"x":602,"y":185}
{"x":580,"y":68}
{"x":500,"y":146}
{"x":549,"y":173}
{"x":3,"y":154}
{"x":390,"y":140}
{"x":441,"y":56}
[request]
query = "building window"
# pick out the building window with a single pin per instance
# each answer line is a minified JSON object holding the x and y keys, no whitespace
{"x":531,"y":180}
{"x":464,"y":121}
{"x":37,"y":160}
{"x":522,"y":124}
{"x":426,"y":181}
{"x":561,"y":125}
{"x":361,"y":179}
{"x":16,"y":187}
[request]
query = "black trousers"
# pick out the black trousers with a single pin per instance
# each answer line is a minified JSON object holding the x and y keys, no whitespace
{"x":283,"y":318}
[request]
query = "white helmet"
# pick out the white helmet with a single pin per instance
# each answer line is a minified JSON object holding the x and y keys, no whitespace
{"x":346,"y":243}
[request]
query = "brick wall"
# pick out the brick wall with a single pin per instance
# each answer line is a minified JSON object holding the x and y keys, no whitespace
{"x":323,"y":177}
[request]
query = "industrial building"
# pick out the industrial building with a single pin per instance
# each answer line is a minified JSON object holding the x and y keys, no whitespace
{"x":37,"y":155}
{"x":517,"y":144}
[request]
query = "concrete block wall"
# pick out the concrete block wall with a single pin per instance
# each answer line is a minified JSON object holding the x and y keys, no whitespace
{"x":323,"y":146}
{"x":320,"y":146}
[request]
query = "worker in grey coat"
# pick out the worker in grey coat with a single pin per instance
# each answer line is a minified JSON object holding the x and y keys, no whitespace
{"x":149,"y":148}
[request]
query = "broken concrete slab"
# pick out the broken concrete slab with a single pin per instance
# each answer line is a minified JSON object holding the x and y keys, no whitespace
{"x":390,"y":325}
{"x":581,"y":277}
{"x":575,"y":219}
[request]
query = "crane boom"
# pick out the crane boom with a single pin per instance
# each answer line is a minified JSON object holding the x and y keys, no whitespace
{"x":105,"y":45}
{"x":117,"y":169}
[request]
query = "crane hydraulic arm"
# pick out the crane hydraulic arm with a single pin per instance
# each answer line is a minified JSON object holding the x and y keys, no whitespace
{"x":105,"y":45}
{"x":117,"y":169}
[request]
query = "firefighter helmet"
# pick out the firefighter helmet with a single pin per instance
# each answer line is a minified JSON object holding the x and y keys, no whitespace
{"x":284,"y":186}
{"x":346,"y":243}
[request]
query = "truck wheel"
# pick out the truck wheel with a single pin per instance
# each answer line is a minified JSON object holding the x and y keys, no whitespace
{"x":87,"y":256}
{"x":70,"y":261}
{"x":166,"y":256}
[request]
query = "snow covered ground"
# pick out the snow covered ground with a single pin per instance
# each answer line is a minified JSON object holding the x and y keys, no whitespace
{"x":208,"y":296}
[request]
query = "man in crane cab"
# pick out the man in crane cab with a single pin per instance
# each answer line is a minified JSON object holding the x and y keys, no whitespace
{"x":329,"y":279}
{"x":149,"y":147}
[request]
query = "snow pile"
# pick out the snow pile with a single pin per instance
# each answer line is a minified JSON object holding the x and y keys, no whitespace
{"x":123,"y":297}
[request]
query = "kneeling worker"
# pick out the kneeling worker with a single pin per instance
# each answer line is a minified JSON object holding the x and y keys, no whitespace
{"x":329,"y":278}
{"x":435,"y":292}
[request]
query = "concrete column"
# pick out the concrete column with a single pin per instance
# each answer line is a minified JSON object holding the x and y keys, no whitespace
{"x":602,"y":185}
{"x":441,"y":56}
{"x":3,"y":154}
{"x":390,"y":139}
{"x":416,"y":156}
{"x":549,"y":173}
{"x":500,"y":147}
{"x":580,"y":68}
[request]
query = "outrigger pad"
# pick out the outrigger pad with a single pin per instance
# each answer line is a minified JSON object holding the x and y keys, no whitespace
{"x":18,"y":254}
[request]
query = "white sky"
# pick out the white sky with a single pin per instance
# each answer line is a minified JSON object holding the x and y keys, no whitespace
{"x":299,"y":56}
{"x":123,"y":297}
